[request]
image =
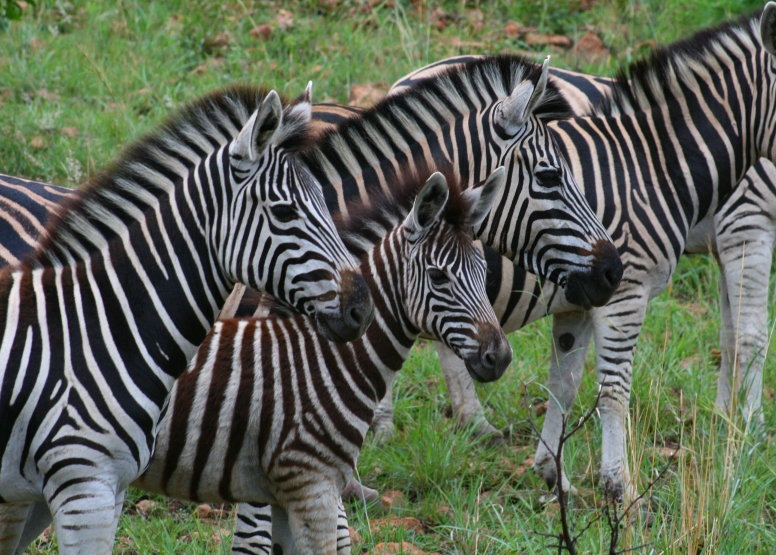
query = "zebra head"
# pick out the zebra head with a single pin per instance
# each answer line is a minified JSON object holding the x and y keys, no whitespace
{"x":445,"y":279}
{"x":541,"y":220}
{"x":285,"y":242}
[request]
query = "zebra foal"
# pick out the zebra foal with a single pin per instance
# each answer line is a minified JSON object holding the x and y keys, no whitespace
{"x":98,"y":322}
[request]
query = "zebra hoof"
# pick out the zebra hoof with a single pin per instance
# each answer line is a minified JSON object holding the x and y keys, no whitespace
{"x":356,"y":491}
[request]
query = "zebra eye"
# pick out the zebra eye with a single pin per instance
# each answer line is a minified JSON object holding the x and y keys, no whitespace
{"x":283,"y":212}
{"x":437,"y":277}
{"x":548,"y":176}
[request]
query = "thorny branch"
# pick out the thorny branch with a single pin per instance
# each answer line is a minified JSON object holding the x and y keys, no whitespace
{"x":567,"y":539}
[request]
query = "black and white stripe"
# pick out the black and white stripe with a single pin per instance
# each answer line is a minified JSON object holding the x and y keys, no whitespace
{"x":98,"y":322}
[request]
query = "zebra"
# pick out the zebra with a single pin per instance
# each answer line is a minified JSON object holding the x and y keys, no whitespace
{"x":276,"y":388}
{"x":143,"y":257}
{"x":698,"y":216}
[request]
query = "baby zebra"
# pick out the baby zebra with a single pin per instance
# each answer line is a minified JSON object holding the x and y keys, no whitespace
{"x":270,"y":411}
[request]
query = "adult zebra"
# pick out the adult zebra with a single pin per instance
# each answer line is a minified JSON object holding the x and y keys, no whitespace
{"x":700,"y":113}
{"x":99,"y":321}
{"x":269,"y":411}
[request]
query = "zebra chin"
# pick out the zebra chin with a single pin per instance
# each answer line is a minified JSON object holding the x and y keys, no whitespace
{"x":596,"y":286}
{"x":488,"y":362}
{"x":350,"y":319}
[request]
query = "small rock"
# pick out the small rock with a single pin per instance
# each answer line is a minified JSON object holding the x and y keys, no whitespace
{"x":263,"y":32}
{"x":591,"y":48}
{"x":38,"y":142}
{"x":512,"y":29}
{"x":144,"y":506}
{"x":393,"y":499}
{"x":407,"y":523}
{"x":528,"y":461}
{"x":355,"y":537}
{"x":284,"y":19}
{"x":220,"y":536}
{"x":46,"y":535}
{"x":205,"y":511}
{"x":69,"y":131}
{"x":541,"y":408}
{"x":540,"y":39}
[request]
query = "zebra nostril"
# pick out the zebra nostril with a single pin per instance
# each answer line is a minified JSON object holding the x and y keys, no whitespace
{"x":490,"y":359}
{"x":356,"y":315}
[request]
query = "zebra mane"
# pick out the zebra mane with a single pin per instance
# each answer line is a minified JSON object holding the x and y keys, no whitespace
{"x":646,"y":83}
{"x":367,"y":224}
{"x":459,"y":89}
{"x":124,"y":192}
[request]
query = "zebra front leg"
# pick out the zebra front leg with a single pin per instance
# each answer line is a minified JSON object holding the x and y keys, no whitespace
{"x":744,"y":287}
{"x":571,"y":333}
{"x":467,"y":409}
{"x":617,"y":328}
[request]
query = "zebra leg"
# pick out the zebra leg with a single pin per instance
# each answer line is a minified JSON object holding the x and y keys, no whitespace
{"x":382,"y":423}
{"x":571,"y":333}
{"x":467,"y":409}
{"x":85,"y":519}
{"x":617,"y":328}
{"x":744,"y":281}
{"x":13,"y":517}
{"x":253,"y":529}
{"x":308,"y":526}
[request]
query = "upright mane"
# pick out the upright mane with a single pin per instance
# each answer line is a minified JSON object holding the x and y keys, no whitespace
{"x":447,"y":95}
{"x":367,"y":224}
{"x":645,"y":83}
{"x":153,"y":166}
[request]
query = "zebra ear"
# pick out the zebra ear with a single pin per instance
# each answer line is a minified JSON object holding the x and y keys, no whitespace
{"x":301,"y":108}
{"x":483,"y":196}
{"x":258,"y":132}
{"x":428,"y":205}
{"x":515,"y":109}
{"x":768,"y":28}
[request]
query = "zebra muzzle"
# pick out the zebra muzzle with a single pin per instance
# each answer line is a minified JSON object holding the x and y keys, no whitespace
{"x":355,"y":313}
{"x":490,"y":361}
{"x":596,"y":286}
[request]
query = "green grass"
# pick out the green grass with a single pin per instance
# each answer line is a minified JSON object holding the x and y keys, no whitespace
{"x":110,"y":70}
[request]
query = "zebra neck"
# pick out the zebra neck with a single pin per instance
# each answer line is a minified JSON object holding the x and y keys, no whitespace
{"x":392,"y":334}
{"x":140,"y":285}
